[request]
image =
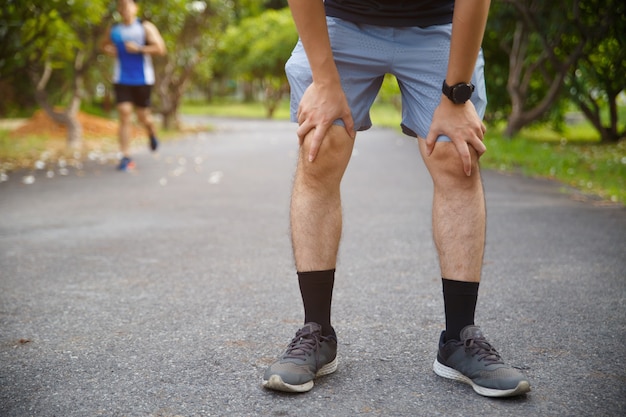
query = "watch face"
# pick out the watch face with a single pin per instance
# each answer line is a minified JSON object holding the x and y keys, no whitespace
{"x":461,"y":93}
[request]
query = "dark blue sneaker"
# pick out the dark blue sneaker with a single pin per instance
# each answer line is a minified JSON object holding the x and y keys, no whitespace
{"x":308,"y":356}
{"x":126,"y":164}
{"x":474,"y":361}
{"x":154,"y":143}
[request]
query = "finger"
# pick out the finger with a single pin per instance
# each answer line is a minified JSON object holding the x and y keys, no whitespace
{"x":299,"y":115}
{"x":431,"y":140}
{"x":480,"y":148}
{"x":478,"y":145}
{"x":467,"y":165}
{"x":304,"y":129}
{"x":349,"y":124}
{"x":316,"y":142}
{"x":466,"y":158}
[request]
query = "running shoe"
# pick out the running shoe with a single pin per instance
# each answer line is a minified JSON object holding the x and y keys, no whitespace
{"x":126,"y":164}
{"x":154,"y":143}
{"x":474,"y":361}
{"x":308,"y":356}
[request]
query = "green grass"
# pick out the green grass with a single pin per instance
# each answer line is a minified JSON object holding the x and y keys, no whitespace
{"x":28,"y":147}
{"x":235,"y":109}
{"x":592,"y":168}
{"x":22,"y":152}
{"x":572,"y":157}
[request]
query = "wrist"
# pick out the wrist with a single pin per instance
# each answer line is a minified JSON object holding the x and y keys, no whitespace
{"x":324,"y":72}
{"x":458,"y":93}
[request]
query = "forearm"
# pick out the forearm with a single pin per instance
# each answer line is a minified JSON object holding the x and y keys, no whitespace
{"x":468,"y":28}
{"x":106,"y":45}
{"x":153,"y":49}
{"x":109,"y":49}
{"x":310,"y":20}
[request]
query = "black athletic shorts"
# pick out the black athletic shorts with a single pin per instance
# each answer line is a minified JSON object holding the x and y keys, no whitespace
{"x":139,"y":95}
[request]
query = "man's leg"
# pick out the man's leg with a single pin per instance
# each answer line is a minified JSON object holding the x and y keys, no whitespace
{"x":316,"y":202}
{"x":315,"y":232}
{"x":459,"y":232}
{"x":144,"y":115}
{"x":125,"y":111}
{"x":458,"y":213}
{"x":316,"y":222}
{"x":145,"y":118}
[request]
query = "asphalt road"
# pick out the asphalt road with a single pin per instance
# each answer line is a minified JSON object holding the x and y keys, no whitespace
{"x":167,"y":291}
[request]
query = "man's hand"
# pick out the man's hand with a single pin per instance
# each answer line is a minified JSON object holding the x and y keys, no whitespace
{"x":133,"y":47}
{"x":461,"y":124}
{"x":109,"y":49}
{"x":319,"y":107}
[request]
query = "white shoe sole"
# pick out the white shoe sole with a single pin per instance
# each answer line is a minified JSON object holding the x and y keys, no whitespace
{"x":450,"y":373}
{"x":276,"y":383}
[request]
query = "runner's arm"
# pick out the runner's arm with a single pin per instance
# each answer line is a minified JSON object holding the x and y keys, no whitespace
{"x":106,"y":45}
{"x":154,"y":41}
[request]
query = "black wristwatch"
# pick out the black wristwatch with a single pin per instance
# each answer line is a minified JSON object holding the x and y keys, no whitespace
{"x":458,"y":93}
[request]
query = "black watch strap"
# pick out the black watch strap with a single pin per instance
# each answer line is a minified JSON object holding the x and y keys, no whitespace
{"x":457,"y":93}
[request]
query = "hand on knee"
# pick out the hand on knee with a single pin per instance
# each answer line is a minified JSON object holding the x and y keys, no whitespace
{"x":332,"y":157}
{"x":447,"y":169}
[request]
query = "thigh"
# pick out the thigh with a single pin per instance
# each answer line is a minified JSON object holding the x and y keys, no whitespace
{"x":123,"y":93}
{"x":144,"y":114}
{"x":361,"y":60}
{"x":125,"y":111}
{"x":420,"y":68}
{"x":141,"y":95}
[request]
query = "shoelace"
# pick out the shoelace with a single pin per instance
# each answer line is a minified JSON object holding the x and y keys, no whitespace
{"x":303,"y":344}
{"x":483,"y":350}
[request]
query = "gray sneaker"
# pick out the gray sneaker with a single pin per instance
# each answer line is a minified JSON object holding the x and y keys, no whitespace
{"x":308,"y":356}
{"x":475,"y":362}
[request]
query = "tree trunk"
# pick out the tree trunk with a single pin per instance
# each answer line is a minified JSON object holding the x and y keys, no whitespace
{"x":273,"y":95}
{"x":170,"y":119}
{"x":548,"y":65}
{"x":520,"y":78}
{"x":68,"y":117}
{"x":608,"y":134}
{"x":171,"y":89}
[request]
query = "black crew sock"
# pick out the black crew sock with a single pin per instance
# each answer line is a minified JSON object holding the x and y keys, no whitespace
{"x":316,"y":288}
{"x":459,"y":300}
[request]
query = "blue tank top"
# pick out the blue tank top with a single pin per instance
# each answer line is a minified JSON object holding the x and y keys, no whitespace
{"x":131,"y":69}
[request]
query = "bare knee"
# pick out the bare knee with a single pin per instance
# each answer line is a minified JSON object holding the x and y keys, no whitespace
{"x":145,"y":117}
{"x":124,"y":111}
{"x":446,"y":168}
{"x":332,"y":159}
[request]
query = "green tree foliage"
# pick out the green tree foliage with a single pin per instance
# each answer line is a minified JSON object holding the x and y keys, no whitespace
{"x":250,"y":8}
{"x":599,"y":77}
{"x":56,"y":41}
{"x":532,"y":47}
{"x":256,"y":51}
{"x":541,"y":44}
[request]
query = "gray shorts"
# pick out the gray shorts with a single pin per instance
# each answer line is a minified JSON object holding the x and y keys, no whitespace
{"x":417,"y":57}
